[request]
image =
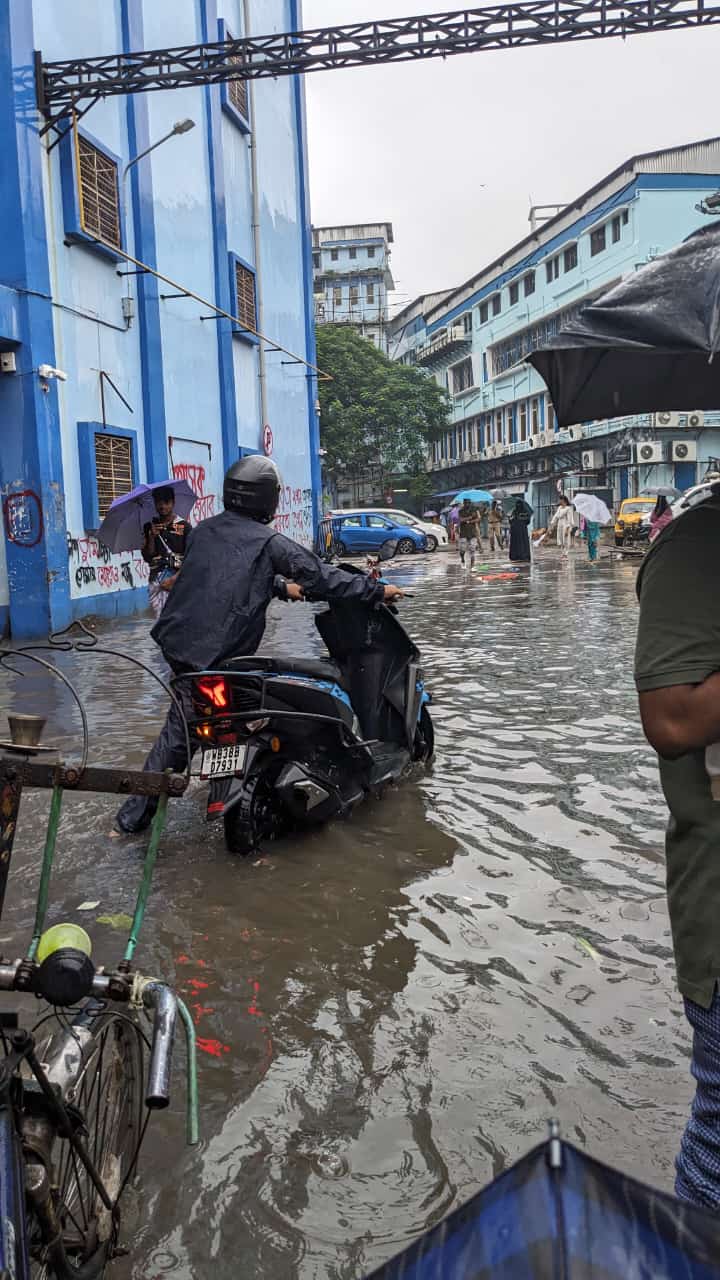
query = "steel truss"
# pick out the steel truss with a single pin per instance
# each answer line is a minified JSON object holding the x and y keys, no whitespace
{"x":62,"y":85}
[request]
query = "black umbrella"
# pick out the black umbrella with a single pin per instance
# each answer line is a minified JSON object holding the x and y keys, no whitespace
{"x":645,"y":346}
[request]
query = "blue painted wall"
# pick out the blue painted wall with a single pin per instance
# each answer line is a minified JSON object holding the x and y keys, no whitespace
{"x":191,"y":384}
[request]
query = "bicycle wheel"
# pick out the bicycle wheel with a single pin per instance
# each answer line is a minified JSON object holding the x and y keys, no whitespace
{"x":107,"y":1092}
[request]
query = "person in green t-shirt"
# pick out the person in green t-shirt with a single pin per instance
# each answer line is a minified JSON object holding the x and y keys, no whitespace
{"x":677,"y":673}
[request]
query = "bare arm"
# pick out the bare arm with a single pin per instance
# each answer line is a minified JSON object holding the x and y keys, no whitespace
{"x":682,"y":717}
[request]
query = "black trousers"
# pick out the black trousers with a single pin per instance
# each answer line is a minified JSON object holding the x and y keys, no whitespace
{"x":169,"y":752}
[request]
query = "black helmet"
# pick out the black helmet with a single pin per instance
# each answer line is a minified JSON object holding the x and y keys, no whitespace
{"x":252,"y":486}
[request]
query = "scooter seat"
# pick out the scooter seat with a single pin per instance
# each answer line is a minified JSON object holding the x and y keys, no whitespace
{"x":314,"y":668}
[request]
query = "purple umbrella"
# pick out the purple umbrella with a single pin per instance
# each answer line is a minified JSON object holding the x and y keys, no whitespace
{"x":122,"y":528}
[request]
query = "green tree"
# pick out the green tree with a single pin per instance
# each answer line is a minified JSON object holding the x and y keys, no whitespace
{"x":376,"y":417}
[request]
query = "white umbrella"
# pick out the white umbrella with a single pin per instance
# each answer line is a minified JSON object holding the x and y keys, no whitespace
{"x":592,"y":508}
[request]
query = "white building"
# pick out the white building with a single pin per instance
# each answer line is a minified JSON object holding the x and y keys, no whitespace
{"x":352,"y":277}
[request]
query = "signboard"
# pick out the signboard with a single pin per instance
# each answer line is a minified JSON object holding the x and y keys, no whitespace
{"x":267,"y":440}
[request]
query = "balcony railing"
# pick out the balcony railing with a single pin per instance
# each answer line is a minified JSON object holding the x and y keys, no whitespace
{"x":451,"y":341}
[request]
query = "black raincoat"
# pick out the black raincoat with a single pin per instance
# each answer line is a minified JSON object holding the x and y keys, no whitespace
{"x":216,"y":609}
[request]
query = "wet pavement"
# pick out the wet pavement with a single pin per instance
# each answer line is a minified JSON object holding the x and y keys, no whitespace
{"x":391,"y":1009}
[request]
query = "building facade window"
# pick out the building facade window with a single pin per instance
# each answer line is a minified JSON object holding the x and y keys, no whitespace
{"x":509,"y":422}
{"x":462,"y":376}
{"x":535,"y":416}
{"x":570,"y":258}
{"x":550,"y":419}
{"x":484,"y":312}
{"x":552,"y":269}
{"x":99,"y":193}
{"x":529,"y":284}
{"x":337,"y":297}
{"x":316,"y":261}
{"x":499,"y":426}
{"x":371,"y":251}
{"x":234,"y":94}
{"x":245,"y":296}
{"x":370,"y":292}
{"x":113,"y":469}
{"x":598,"y":241}
{"x":238,"y":92}
{"x":467,"y":323}
{"x":616,"y":229}
{"x":334,"y":254}
{"x":523,"y":420}
{"x":505,"y":354}
{"x":496,"y":304}
{"x":353,"y":253}
{"x":514,"y":293}
{"x":354,"y":295}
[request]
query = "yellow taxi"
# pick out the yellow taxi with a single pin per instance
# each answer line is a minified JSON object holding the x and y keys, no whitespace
{"x":632,"y":523}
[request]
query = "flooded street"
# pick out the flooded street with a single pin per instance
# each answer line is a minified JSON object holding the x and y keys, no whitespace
{"x":391,"y":1010}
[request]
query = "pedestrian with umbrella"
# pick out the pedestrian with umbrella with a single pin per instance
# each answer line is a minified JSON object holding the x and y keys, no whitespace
{"x":152,"y":518}
{"x":661,"y":516}
{"x":595,"y":513}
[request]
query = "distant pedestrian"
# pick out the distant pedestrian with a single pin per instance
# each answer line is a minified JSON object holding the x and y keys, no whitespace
{"x":468,"y":531}
{"x":592,"y":534}
{"x":661,"y":516}
{"x":495,"y":524}
{"x":564,"y":521}
{"x":453,"y":522}
{"x":520,"y":518}
{"x":165,"y":540}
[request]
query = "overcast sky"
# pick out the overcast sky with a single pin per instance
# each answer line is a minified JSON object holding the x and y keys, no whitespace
{"x":453,"y":152}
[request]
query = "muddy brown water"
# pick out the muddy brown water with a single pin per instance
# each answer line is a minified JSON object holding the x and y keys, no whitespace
{"x":391,"y":1009}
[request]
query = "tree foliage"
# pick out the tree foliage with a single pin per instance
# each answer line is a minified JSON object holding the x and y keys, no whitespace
{"x":375,"y":413}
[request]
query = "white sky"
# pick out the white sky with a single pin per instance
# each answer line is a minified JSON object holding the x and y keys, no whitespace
{"x":414,"y":143}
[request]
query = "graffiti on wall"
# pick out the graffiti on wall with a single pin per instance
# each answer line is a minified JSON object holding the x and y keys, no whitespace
{"x":22,"y":513}
{"x":295,"y":514}
{"x":94,"y":570}
{"x":194,"y":473}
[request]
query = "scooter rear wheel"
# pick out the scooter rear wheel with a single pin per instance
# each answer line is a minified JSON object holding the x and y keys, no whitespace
{"x":257,"y":817}
{"x":424,"y":738}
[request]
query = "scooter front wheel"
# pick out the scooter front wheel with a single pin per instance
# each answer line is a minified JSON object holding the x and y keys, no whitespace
{"x":258,"y":816}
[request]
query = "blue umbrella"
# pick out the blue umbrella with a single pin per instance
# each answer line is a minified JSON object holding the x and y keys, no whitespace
{"x":122,"y":528}
{"x":474,"y":495}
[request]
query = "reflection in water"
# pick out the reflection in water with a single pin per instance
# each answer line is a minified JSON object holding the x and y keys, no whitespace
{"x":391,"y":1009}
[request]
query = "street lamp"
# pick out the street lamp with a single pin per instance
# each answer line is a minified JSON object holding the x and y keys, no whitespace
{"x":180,"y":126}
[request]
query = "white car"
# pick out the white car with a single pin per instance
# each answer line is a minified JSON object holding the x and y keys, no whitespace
{"x":435,"y":534}
{"x":691,"y":497}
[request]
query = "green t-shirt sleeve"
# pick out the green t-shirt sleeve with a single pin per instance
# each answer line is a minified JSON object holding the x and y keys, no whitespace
{"x":678,"y":639}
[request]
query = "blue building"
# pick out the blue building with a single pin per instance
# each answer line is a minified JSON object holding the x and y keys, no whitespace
{"x":351,"y":268}
{"x":165,"y":373}
{"x":474,"y":339}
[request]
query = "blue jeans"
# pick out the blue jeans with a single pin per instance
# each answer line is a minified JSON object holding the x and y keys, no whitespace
{"x":698,"y":1164}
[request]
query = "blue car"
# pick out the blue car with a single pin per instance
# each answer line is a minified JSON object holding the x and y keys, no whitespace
{"x":358,"y":532}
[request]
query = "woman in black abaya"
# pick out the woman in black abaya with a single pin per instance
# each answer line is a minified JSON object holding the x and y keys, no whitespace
{"x":520,"y":518}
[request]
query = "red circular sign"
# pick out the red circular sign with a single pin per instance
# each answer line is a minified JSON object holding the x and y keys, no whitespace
{"x":267,"y":440}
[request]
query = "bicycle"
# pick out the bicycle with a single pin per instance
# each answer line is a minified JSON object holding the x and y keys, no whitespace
{"x":74,"y":1086}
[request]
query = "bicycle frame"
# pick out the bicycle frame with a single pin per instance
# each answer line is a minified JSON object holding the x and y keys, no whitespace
{"x":14,"y":1257}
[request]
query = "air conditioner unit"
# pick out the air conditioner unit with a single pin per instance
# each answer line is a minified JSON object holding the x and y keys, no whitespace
{"x":592,"y":460}
{"x":490,"y":451}
{"x":533,"y":442}
{"x":575,"y":433}
{"x":430,"y":464}
{"x":649,"y":451}
{"x":500,"y":450}
{"x":696,"y":419}
{"x":467,"y":456}
{"x":456,"y":334}
{"x":544,"y":439}
{"x":683,"y":451}
{"x":667,"y":419}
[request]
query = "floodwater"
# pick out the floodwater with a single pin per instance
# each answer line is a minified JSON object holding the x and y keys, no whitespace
{"x":391,"y":1010}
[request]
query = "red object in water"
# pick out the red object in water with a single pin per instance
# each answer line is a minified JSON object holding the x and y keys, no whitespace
{"x":214,"y":1047}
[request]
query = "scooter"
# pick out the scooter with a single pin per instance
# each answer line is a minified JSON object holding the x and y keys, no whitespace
{"x":292,"y":743}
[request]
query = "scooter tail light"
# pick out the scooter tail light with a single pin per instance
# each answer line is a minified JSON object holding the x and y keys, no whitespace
{"x":215,"y":691}
{"x":254,"y":726}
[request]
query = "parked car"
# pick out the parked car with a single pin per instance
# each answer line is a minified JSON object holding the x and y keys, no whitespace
{"x":633,"y":520}
{"x":435,"y":535}
{"x":694,"y":495}
{"x":356,"y":532}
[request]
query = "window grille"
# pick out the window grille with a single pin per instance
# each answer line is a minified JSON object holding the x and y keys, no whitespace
{"x":99,"y":194}
{"x":245,"y":291}
{"x":113,"y":469}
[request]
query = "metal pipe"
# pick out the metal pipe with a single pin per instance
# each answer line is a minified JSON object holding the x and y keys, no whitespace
{"x":259,"y":305}
{"x":164,"y":1004}
{"x":192,"y":1085}
{"x":149,"y":866}
{"x":46,"y":872}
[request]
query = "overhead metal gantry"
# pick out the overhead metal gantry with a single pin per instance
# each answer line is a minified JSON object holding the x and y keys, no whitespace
{"x":63,"y":86}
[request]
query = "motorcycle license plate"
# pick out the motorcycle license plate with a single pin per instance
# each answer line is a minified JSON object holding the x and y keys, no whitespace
{"x":221,"y":762}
